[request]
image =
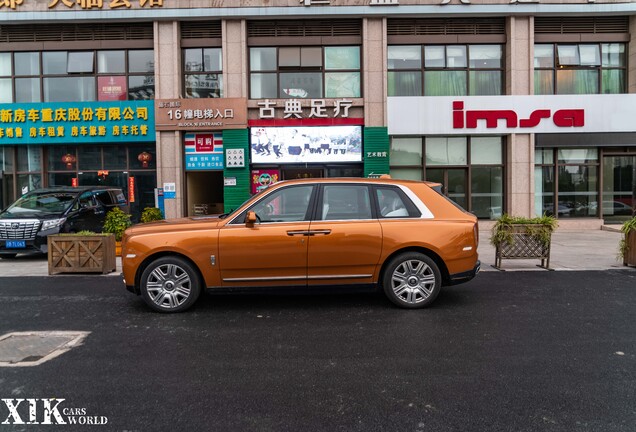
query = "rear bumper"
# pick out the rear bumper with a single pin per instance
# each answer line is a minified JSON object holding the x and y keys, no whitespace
{"x":462,"y":277}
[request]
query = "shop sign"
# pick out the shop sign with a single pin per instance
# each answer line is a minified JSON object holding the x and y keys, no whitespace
{"x":473,"y":115}
{"x":87,"y":4}
{"x":235,"y":158}
{"x":229,"y":181}
{"x":204,"y":151}
{"x":169,"y":190}
{"x":377,"y":155}
{"x":261,"y":179}
{"x":131,"y":189}
{"x":293,"y":109}
{"x":77,"y":122}
{"x":201,"y":114}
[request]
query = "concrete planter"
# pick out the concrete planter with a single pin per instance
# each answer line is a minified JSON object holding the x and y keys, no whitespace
{"x":70,"y":253}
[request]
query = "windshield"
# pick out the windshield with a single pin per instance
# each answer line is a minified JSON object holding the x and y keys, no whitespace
{"x":42,"y":203}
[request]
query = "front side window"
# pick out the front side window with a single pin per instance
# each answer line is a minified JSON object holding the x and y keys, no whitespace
{"x":445,"y":70}
{"x":289,"y":204}
{"x":203,"y":72}
{"x":591,"y":68}
{"x":305,"y":72}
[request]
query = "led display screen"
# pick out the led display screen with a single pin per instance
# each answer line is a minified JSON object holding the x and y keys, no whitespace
{"x":280,"y":145}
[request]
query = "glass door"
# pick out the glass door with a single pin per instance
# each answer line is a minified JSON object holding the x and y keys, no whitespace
{"x":619,"y":188}
{"x":453,"y":181}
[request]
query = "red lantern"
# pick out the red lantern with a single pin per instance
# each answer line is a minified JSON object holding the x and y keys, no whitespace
{"x":144,"y":158}
{"x":69,"y":160}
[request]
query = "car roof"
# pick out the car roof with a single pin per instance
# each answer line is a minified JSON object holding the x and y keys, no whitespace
{"x":71,"y":189}
{"x":374,"y":180}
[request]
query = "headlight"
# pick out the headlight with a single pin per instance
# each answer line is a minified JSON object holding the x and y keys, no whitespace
{"x":52,"y":223}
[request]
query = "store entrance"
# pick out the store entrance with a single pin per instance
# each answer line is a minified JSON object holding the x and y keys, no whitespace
{"x":301,"y":173}
{"x":204,"y":192}
{"x":619,"y":188}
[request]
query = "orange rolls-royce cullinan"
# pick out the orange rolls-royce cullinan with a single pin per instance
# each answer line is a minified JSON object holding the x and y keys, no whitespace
{"x":403,"y":236}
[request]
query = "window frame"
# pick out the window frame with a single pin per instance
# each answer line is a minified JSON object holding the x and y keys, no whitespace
{"x":466,"y":70}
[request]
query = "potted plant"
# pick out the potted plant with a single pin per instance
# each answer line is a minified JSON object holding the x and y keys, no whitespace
{"x":82,"y":252}
{"x":627,"y":247}
{"x":522,"y":238}
{"x":151,"y":214}
{"x":116,"y":223}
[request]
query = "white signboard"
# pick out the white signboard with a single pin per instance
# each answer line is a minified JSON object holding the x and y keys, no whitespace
{"x":480,"y":115}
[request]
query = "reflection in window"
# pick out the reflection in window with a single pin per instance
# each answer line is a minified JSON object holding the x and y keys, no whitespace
{"x":579,"y":68}
{"x":448,"y":70}
{"x":345,"y":202}
{"x":198,"y":84}
{"x":305,"y":72}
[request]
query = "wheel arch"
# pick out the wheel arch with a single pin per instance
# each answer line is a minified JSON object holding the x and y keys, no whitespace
{"x":146,"y":262}
{"x":428,"y":252}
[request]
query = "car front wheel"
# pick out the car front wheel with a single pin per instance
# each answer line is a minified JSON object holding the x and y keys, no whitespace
{"x":170,"y":284}
{"x":412,"y":280}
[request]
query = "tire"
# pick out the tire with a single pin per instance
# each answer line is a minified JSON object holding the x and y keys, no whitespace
{"x":170,"y":284}
{"x":412,"y":280}
{"x":8,"y":256}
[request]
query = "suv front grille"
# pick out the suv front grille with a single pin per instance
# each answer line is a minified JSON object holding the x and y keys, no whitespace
{"x":19,"y":229}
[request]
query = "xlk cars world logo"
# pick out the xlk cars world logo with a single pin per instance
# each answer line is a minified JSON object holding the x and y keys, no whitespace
{"x":45,"y":412}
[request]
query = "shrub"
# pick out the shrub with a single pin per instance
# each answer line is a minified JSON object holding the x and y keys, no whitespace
{"x":539,"y":227}
{"x":151,"y":214}
{"x":628,"y":227}
{"x":116,"y":222}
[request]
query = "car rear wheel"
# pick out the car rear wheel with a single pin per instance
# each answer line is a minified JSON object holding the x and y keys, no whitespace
{"x":412,"y":280}
{"x":170,"y":284}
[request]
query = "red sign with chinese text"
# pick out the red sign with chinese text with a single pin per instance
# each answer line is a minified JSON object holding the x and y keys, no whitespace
{"x":131,"y":189}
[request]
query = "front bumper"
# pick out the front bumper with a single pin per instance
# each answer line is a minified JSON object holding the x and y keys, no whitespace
{"x":458,"y":278}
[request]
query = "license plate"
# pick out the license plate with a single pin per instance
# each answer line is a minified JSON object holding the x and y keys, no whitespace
{"x":15,"y":244}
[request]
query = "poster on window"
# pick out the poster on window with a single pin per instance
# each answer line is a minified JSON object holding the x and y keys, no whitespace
{"x":112,"y":88}
{"x":306,"y":144}
{"x":261,"y":179}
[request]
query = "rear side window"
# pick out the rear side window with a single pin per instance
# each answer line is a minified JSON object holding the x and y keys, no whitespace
{"x":104,"y":198}
{"x":345,"y":202}
{"x":393,"y":203}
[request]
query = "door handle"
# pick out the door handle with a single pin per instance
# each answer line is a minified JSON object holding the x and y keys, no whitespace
{"x":319,"y":232}
{"x":300,"y":232}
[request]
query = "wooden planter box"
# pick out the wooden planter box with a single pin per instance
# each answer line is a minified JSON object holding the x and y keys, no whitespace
{"x":523,"y":246}
{"x":69,"y":253}
{"x":629,"y":258}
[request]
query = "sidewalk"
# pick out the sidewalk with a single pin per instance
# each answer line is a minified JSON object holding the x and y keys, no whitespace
{"x":571,"y":250}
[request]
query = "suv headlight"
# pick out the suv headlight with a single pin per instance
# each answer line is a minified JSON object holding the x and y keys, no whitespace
{"x":52,"y":223}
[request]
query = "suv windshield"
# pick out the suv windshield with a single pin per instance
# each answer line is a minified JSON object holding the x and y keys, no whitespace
{"x":42,"y":203}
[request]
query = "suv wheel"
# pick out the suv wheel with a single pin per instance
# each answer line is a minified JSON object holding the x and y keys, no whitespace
{"x":170,"y":284}
{"x":412,"y":280}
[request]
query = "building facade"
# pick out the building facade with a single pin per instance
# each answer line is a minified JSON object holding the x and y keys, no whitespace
{"x":520,"y":106}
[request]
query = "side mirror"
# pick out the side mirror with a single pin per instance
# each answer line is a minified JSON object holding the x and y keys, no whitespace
{"x":250,"y":218}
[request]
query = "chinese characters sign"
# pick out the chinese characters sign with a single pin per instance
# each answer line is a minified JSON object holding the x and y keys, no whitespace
{"x":293,"y":109}
{"x":87,"y":4}
{"x":204,"y":151}
{"x":201,"y":114}
{"x":77,"y":122}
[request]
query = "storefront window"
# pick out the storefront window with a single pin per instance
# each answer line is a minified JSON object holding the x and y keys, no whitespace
{"x":470,"y":169}
{"x":447,"y":70}
{"x":576,"y":172}
{"x":579,"y":68}
{"x":6,"y":87}
{"x":305,"y":72}
{"x":446,"y":151}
